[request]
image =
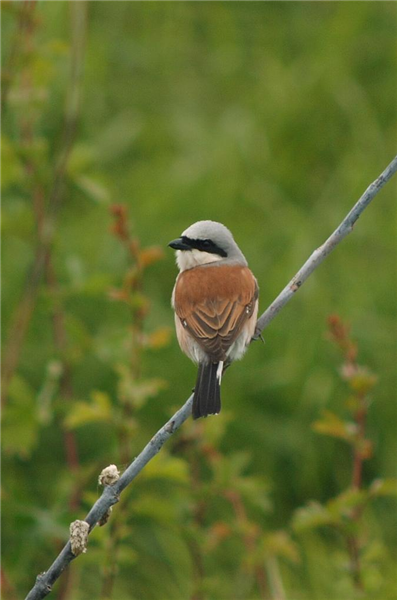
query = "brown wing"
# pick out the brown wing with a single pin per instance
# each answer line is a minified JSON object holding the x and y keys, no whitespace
{"x":213,"y":303}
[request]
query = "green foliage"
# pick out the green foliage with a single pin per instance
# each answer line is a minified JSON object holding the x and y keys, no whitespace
{"x":20,"y":425}
{"x":383,"y":487}
{"x":272,"y":117}
{"x":345,"y":511}
{"x":334,"y":426}
{"x":98,"y":410}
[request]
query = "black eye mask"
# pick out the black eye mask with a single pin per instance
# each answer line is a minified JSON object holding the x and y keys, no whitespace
{"x":204,"y":245}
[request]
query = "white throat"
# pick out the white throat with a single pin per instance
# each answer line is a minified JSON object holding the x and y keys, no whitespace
{"x":187,"y":259}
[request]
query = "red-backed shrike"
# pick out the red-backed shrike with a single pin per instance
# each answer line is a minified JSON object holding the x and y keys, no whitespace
{"x":215,"y":299}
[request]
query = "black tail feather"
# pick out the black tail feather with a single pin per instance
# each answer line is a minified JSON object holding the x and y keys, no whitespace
{"x":207,"y":393}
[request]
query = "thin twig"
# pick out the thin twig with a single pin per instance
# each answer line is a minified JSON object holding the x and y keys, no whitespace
{"x":111,"y":494}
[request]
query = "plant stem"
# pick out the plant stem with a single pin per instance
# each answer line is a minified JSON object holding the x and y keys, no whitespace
{"x":24,"y":310}
{"x":353,"y":543}
{"x":249,"y":539}
{"x":275,"y":580}
{"x":358,"y":460}
{"x":25,"y":26}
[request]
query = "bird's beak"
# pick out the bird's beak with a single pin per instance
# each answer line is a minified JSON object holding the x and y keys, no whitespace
{"x":178,"y":244}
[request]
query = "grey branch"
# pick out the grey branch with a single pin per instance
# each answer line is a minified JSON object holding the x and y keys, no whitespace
{"x":109,"y":497}
{"x":111,"y":493}
{"x":322,"y":252}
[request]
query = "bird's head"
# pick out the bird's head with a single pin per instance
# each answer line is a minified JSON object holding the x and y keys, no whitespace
{"x":206,"y":242}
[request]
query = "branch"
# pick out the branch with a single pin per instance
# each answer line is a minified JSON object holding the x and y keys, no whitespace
{"x":109,"y":497}
{"x":111,"y":493}
{"x":322,"y":252}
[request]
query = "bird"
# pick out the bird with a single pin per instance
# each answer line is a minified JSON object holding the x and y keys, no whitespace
{"x":215,"y":299}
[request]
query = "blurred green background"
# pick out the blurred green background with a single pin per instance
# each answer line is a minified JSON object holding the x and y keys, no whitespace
{"x":272,"y":117}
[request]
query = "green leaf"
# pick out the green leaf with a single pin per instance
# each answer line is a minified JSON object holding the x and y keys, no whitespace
{"x":334,"y":426}
{"x":136,"y":391}
{"x":20,"y":424}
{"x":342,"y":505}
{"x":280,"y":544}
{"x":383,"y":487}
{"x":362,"y":382}
{"x":97,"y":411}
{"x":228,"y":470}
{"x":312,"y":516}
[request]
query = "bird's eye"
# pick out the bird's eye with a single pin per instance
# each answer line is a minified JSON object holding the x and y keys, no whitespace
{"x":206,"y":243}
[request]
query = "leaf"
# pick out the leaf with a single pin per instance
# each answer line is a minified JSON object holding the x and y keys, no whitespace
{"x":312,"y":516}
{"x":280,"y":544}
{"x":254,"y":491}
{"x":362,"y":382}
{"x":136,"y":391}
{"x":333,"y":426}
{"x":167,"y":467}
{"x":99,"y":410}
{"x":20,"y":426}
{"x":344,"y":503}
{"x":228,"y":470}
{"x":383,"y":487}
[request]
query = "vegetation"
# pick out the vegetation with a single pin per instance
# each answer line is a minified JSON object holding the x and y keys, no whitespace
{"x":123,"y":123}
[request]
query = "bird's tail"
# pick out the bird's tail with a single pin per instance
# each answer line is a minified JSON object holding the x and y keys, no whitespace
{"x":207,"y":393}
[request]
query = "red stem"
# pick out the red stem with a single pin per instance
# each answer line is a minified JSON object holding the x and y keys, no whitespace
{"x":358,"y":460}
{"x":249,"y":538}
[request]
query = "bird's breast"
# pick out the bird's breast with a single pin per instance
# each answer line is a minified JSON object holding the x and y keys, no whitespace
{"x":203,"y":284}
